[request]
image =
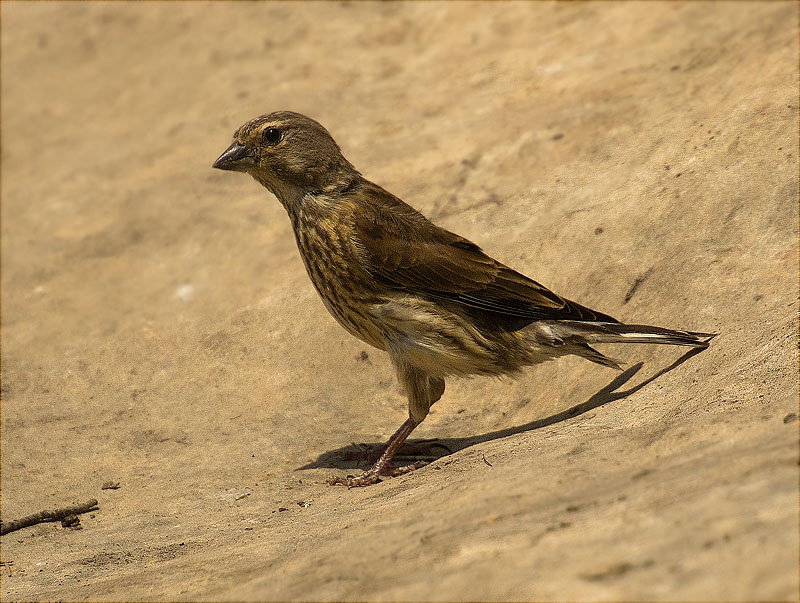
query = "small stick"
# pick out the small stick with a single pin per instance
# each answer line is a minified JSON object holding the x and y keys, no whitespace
{"x":42,"y":516}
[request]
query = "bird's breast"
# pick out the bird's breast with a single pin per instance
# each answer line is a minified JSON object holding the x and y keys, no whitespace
{"x":334,"y":267}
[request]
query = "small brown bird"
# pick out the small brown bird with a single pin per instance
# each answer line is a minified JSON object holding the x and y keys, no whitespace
{"x":434,"y":301}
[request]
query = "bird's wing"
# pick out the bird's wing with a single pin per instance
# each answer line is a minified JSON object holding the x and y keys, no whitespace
{"x":404,"y":251}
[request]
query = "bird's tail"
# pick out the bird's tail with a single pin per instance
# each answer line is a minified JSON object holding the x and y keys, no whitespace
{"x":580,"y":334}
{"x":575,"y":331}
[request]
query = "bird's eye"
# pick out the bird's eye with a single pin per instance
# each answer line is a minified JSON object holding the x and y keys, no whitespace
{"x":272,"y":135}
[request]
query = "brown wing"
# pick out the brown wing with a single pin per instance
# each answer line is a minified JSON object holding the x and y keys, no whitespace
{"x":405,"y":251}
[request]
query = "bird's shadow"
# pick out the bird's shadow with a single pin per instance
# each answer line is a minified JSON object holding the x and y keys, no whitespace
{"x":358,"y":455}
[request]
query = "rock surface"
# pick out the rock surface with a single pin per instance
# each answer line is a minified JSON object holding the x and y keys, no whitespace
{"x":159,"y":331}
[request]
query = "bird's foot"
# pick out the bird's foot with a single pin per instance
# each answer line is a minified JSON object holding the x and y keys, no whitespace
{"x":373,"y":476}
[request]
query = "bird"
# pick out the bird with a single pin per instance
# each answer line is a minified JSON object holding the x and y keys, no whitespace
{"x":433,"y":300}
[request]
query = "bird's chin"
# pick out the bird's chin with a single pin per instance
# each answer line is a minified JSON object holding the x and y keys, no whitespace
{"x":238,"y":167}
{"x":263,"y":179}
{"x":289,"y":195}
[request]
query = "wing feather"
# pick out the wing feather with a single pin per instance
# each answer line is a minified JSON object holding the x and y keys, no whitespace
{"x":405,"y":251}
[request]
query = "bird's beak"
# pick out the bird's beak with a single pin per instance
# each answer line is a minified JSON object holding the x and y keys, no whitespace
{"x":235,"y":158}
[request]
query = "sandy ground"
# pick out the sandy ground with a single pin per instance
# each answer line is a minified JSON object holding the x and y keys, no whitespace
{"x":159,"y":330}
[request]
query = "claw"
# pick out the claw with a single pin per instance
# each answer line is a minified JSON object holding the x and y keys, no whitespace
{"x":372,"y":476}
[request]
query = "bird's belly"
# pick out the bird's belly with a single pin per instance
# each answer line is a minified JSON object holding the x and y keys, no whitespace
{"x":441,"y":342}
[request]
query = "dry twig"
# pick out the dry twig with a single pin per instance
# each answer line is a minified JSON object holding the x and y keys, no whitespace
{"x":42,"y":516}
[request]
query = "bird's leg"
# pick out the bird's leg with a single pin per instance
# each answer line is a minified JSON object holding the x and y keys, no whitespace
{"x":383,"y":465}
{"x":422,"y":390}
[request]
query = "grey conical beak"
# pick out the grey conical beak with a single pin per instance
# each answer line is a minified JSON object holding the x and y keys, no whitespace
{"x":235,"y":158}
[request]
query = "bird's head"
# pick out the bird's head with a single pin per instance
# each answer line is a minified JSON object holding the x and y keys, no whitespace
{"x":289,"y":153}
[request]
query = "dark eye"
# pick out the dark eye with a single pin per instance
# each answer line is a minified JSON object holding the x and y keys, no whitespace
{"x":271,"y":135}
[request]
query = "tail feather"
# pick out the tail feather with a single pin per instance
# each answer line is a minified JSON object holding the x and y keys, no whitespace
{"x":573,"y":331}
{"x":584,"y":350}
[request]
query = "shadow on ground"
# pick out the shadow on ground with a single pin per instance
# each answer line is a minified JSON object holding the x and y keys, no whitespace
{"x":362,"y":455}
